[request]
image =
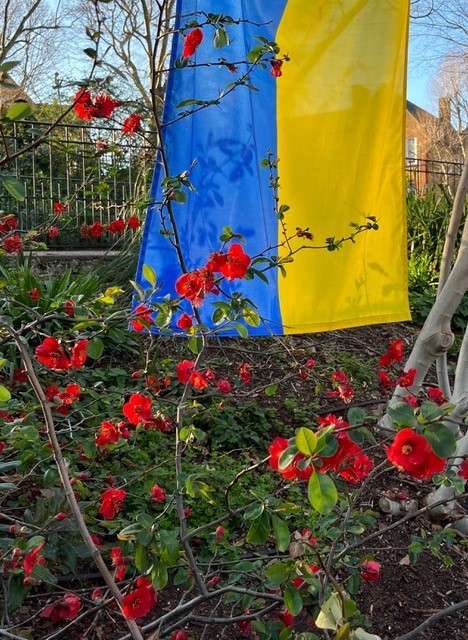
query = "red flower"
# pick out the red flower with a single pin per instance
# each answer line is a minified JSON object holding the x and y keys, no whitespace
{"x":69,"y":308}
{"x":131,"y":124}
{"x":117,"y":558}
{"x":411,"y":452}
{"x":244,"y":372}
{"x":20,"y":375}
{"x":360,"y":469}
{"x":300,"y":583}
{"x":51,"y":354}
{"x":191,"y":42}
{"x":291,"y":472}
{"x":67,"y":608}
{"x":70,"y":394}
{"x":13,"y":244}
{"x":117,"y":226}
{"x":179,"y":635}
{"x":185,"y":321}
{"x":111,"y":503}
{"x":224,"y":386}
{"x":198,"y":380}
{"x":133,"y":222}
{"x":341,"y":387}
{"x":35,"y":294}
{"x":245,"y":626}
{"x":370,"y":571}
{"x":137,"y":603}
{"x":157,"y":494}
{"x":407,"y":378}
{"x":286,"y":618}
{"x":144,"y":313}
{"x":463,"y":470}
{"x":184,"y":370}
{"x":236,"y":264}
{"x":275,"y":70}
{"x":84,"y":231}
{"x":52,"y":232}
{"x":86,"y":107}
{"x":385,"y":379}
{"x":33,"y":558}
{"x":60,"y":207}
{"x":411,"y":400}
{"x":51,"y":392}
{"x":79,"y":354}
{"x":8,"y":223}
{"x":2,"y":446}
{"x":194,"y":285}
{"x":434,"y":394}
{"x":346,"y":452}
{"x":395,"y":353}
{"x":109,"y":435}
{"x":138,"y":409}
{"x":96,"y":594}
{"x":96,"y":230}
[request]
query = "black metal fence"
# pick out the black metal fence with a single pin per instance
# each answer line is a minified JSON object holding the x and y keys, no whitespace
{"x":98,"y":174}
{"x":423,"y":174}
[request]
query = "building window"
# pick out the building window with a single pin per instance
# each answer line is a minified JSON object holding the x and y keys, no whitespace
{"x":411,"y":150}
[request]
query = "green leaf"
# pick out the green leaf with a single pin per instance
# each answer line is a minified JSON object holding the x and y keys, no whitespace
{"x":7,"y":486}
{"x":307,"y":635}
{"x":145,"y":520}
{"x":441,"y":439}
{"x":293,"y":601}
{"x":322,"y":492}
{"x":241,"y":330}
{"x":278,"y":572}
{"x":330,"y":615}
{"x":356,"y":416}
{"x":142,"y":562}
{"x":40,"y":572}
{"x":306,"y":441}
{"x":159,"y":576}
{"x":195,"y":344}
{"x":18,"y":110}
{"x":251,"y":316}
{"x":271,"y":390}
{"x":8,"y":466}
{"x":402,"y":414}
{"x":259,"y":530}
{"x":5,"y":67}
{"x":431,"y":411}
{"x":149,"y":274}
{"x":13,"y":186}
{"x":188,"y":103}
{"x":254,"y":511}
{"x":343,"y":632}
{"x":281,"y":531}
{"x":221,"y":38}
{"x":90,"y":52}
{"x":5,"y":395}
{"x":95,"y":348}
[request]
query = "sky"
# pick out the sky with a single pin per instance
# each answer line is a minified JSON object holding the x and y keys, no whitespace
{"x":419,"y":77}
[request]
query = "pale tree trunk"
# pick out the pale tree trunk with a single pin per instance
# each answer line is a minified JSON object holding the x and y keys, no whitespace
{"x":446,"y":263}
{"x":436,"y":338}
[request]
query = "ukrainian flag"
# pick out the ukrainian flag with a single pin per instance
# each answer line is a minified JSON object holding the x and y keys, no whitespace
{"x":335,"y":120}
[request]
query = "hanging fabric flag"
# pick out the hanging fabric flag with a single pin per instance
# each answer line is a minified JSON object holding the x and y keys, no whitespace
{"x":330,"y":107}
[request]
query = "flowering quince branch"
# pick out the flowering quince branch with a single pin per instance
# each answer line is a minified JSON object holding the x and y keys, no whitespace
{"x":64,"y":476}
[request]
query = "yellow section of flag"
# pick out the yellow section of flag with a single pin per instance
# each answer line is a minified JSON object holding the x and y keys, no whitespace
{"x":341,"y":106}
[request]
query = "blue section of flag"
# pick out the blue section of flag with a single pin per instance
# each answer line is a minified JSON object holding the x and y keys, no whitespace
{"x":227,"y":141}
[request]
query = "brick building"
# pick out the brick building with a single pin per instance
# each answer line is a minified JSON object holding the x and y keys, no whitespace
{"x":433,"y":149}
